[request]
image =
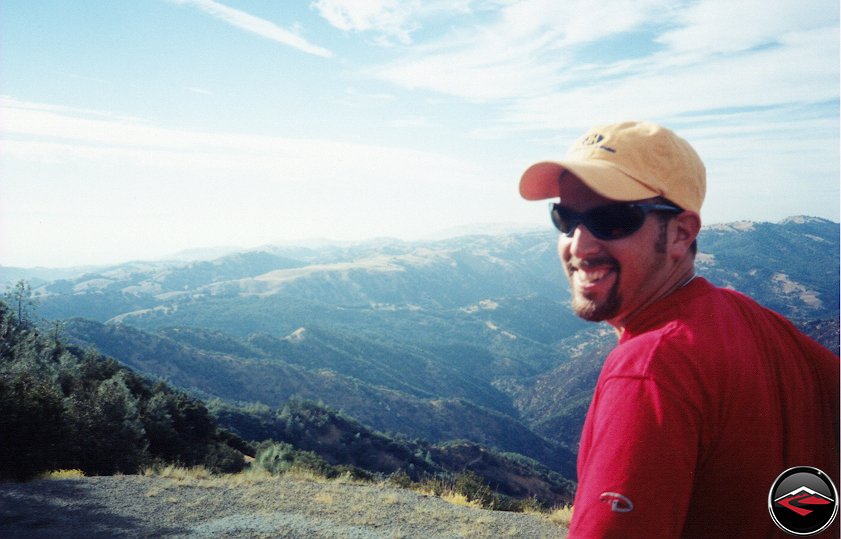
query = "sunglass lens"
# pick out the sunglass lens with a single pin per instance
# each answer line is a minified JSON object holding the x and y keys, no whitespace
{"x":563,"y":219}
{"x":615,"y":221}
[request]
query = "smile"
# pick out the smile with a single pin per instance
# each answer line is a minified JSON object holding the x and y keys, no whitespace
{"x":590,"y":276}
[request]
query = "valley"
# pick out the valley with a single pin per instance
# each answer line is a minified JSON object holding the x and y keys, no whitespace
{"x":467,"y":338}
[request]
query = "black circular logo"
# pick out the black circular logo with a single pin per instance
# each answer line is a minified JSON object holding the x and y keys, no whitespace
{"x":803,"y":501}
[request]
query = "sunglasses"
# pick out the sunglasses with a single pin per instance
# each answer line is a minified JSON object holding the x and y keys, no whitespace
{"x":610,"y":222}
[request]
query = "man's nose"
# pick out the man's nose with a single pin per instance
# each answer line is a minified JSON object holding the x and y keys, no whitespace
{"x":582,"y":243}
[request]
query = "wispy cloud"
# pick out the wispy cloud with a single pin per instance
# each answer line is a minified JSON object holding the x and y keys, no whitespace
{"x":256,"y":25}
{"x":798,"y":70}
{"x":45,"y":133}
{"x":525,"y":49}
{"x":727,"y":27}
{"x":549,"y":63}
{"x":388,"y":17}
{"x":197,"y":90}
{"x":388,"y":20}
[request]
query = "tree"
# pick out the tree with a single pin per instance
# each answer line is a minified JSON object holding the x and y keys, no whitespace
{"x":32,"y":428}
{"x":20,"y":297}
{"x":108,"y":435}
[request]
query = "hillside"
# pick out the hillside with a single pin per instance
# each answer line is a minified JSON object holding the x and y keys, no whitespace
{"x":61,"y":408}
{"x":64,"y":408}
{"x":467,"y":338}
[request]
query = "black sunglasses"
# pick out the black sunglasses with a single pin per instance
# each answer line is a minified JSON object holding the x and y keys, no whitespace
{"x":610,"y":222}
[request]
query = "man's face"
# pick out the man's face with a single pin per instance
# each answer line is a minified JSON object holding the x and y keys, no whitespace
{"x":610,"y":280}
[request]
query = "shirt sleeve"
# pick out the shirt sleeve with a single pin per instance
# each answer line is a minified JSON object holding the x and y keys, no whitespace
{"x":637,"y":461}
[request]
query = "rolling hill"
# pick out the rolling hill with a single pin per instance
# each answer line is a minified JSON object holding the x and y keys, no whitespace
{"x":465,"y":338}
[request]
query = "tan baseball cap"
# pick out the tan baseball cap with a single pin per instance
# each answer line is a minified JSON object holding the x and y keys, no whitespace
{"x":626,"y":161}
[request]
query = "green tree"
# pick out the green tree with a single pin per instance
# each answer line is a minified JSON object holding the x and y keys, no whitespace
{"x":32,"y":428}
{"x":109,"y":436}
{"x":21,"y":299}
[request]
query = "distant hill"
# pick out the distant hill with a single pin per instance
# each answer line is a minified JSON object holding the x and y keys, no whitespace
{"x":465,"y":338}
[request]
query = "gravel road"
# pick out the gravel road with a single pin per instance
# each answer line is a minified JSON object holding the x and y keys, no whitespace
{"x":143,"y":506}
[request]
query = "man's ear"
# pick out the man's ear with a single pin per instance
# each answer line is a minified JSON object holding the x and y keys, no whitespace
{"x":687,"y":225}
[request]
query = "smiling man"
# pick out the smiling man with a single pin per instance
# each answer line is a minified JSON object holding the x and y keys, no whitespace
{"x":707,"y":397}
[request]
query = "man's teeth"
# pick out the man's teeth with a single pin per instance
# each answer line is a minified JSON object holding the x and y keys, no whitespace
{"x":593,"y":275}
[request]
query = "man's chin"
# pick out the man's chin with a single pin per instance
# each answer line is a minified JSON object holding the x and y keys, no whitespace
{"x":593,"y":311}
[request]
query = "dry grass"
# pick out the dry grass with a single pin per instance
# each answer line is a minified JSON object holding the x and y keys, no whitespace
{"x":256,"y":481}
{"x":62,"y":474}
{"x":390,"y":498}
{"x":324,"y":498}
{"x":457,"y":498}
{"x":178,"y":473}
{"x":562,"y":515}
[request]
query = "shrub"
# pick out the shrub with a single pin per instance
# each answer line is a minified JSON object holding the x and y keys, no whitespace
{"x":62,"y":474}
{"x":275,"y":457}
{"x":221,"y":458}
{"x":562,"y":515}
{"x":474,"y":488}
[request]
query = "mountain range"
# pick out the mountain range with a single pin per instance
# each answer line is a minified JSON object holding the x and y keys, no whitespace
{"x":462,"y":338}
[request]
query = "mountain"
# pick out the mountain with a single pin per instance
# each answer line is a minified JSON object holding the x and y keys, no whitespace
{"x":39,"y":275}
{"x":237,"y":371}
{"x":790,"y":267}
{"x":467,"y":337}
{"x":65,"y":408}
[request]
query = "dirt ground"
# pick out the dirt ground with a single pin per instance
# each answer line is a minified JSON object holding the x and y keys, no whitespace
{"x":143,"y":506}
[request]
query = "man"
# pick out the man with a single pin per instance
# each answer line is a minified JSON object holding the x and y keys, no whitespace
{"x":707,"y":397}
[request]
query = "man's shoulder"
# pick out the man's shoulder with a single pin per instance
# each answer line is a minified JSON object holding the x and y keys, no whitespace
{"x":700,"y":310}
{"x":696,"y":325}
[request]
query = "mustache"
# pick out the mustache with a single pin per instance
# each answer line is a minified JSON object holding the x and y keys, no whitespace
{"x":593,"y":262}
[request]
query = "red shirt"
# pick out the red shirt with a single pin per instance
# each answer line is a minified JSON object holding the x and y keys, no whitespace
{"x":707,"y":398}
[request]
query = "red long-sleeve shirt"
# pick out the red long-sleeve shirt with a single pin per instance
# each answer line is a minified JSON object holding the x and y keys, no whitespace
{"x":707,"y":398}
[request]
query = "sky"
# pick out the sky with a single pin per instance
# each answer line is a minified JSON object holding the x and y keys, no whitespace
{"x":133,"y":130}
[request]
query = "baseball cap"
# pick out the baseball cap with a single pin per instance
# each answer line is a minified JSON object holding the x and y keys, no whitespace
{"x":624,"y":162}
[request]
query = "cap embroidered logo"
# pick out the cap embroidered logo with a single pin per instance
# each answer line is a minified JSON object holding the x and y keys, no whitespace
{"x":595,"y":139}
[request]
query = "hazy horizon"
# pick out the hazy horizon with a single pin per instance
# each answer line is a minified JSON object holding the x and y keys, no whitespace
{"x":213,"y":251}
{"x":132,"y":130}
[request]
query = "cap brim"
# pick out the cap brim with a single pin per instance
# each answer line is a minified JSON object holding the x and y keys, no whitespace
{"x":541,"y":180}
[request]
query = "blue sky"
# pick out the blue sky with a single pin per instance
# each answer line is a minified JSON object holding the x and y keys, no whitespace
{"x":133,"y":130}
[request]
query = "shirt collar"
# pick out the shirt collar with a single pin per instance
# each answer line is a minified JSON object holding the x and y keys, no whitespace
{"x":662,"y":311}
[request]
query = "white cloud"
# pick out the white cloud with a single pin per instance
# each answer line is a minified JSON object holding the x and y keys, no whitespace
{"x":389,"y":17}
{"x":801,"y":69}
{"x":391,"y":20}
{"x":256,"y":25}
{"x":197,"y":90}
{"x":525,"y":50}
{"x":716,"y":27}
{"x":705,"y":55}
{"x":56,"y":133}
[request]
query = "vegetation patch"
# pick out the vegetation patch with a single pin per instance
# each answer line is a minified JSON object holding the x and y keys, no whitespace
{"x":62,"y":474}
{"x":64,"y":408}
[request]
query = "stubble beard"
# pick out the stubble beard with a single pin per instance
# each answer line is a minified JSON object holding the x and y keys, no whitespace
{"x":592,"y":310}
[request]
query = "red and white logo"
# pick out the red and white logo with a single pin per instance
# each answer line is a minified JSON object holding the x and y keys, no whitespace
{"x":803,"y":501}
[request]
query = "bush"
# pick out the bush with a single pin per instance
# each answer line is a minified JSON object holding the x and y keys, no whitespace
{"x":275,"y":457}
{"x":474,"y":488}
{"x":224,"y":459}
